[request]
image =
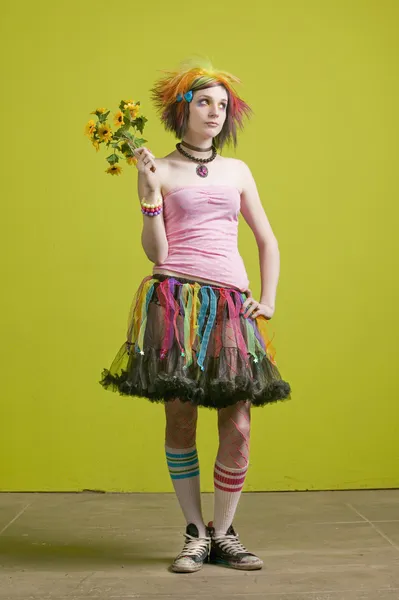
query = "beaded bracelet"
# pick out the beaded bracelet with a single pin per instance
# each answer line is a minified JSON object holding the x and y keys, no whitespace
{"x":151,"y":210}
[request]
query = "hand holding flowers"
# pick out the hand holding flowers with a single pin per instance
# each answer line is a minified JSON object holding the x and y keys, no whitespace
{"x":123,"y":140}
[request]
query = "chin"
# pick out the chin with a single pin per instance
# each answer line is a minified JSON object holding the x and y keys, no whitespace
{"x":206,"y":134}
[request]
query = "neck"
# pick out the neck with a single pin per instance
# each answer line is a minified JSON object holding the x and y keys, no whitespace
{"x":199,"y":142}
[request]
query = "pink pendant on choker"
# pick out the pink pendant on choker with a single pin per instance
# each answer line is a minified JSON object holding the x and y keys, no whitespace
{"x":202,"y":171}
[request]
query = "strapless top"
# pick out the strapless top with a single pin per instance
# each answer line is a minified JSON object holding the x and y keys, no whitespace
{"x":201,"y":224}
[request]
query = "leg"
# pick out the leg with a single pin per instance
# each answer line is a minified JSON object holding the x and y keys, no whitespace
{"x":230,"y":470}
{"x":231,"y":462}
{"x":182,"y":459}
{"x":181,"y":424}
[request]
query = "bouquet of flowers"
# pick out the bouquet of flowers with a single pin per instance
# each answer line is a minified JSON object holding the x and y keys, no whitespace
{"x":122,"y":140}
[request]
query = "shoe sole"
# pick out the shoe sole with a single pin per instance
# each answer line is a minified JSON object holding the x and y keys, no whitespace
{"x":186,"y":570}
{"x":247,"y":567}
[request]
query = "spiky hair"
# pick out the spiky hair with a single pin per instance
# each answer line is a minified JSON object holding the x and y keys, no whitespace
{"x":197,"y":74}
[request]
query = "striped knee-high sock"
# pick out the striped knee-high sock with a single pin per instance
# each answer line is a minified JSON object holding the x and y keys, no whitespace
{"x":184,"y":471}
{"x":228,"y":485}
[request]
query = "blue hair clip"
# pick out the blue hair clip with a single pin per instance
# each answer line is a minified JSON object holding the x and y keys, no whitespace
{"x":188,"y":96}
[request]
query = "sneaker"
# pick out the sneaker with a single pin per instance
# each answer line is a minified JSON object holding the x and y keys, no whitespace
{"x":227,"y":550}
{"x":195,"y":552}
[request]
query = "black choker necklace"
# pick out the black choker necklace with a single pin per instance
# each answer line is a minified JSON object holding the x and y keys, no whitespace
{"x":183,"y":143}
{"x":201,"y":170}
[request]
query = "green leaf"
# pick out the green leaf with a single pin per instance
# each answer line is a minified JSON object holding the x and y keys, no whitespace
{"x":102,"y":118}
{"x":139,"y":123}
{"x":125,"y":147}
{"x":121,"y":132}
{"x":112,"y":159}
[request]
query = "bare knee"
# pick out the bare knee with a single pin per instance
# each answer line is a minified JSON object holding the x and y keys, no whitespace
{"x":235,"y":420}
{"x":234,"y":432}
{"x":181,"y":424}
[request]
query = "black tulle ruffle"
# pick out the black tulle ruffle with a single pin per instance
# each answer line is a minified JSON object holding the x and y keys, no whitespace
{"x":144,"y":379}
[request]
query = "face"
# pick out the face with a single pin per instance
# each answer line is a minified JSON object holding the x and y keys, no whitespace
{"x":208,"y":111}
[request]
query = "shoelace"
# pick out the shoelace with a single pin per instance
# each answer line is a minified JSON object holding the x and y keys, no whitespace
{"x":195,"y":546}
{"x":230,"y":543}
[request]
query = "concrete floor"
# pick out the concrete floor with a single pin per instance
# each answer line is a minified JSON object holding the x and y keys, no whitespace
{"x":315,"y":545}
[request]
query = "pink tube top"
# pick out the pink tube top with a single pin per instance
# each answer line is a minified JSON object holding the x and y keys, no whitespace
{"x":201,"y":223}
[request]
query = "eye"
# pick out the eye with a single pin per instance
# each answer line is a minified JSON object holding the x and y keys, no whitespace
{"x":223,"y":105}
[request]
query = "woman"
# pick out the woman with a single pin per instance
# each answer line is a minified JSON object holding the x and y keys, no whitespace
{"x":196,"y":336}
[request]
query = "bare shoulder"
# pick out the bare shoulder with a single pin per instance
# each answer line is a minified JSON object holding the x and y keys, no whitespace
{"x":238,"y":170}
{"x":168,"y":157}
{"x":161,"y":162}
{"x":233,"y":162}
{"x":165,"y":162}
{"x":245,"y":174}
{"x":240,"y":165}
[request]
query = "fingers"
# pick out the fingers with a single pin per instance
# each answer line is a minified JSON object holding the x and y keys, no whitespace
{"x":146,"y":160}
{"x":142,"y":152}
{"x":249,"y":306}
{"x":148,"y":163}
{"x":248,"y":301}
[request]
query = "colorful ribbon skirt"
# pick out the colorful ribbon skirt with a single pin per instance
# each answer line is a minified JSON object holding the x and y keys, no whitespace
{"x":189,"y":340}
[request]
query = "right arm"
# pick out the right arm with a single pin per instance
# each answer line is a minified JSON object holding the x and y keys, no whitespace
{"x":153,"y":236}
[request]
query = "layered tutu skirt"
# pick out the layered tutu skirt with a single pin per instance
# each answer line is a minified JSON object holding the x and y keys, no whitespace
{"x":189,"y":340}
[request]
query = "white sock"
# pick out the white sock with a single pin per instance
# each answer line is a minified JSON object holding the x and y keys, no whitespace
{"x":184,"y":470}
{"x":228,"y":485}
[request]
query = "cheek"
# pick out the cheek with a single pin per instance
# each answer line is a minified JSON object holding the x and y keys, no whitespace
{"x":223,"y":116}
{"x":194,"y":114}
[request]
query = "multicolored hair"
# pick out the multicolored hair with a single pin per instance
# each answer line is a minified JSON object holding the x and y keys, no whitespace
{"x":193,"y":75}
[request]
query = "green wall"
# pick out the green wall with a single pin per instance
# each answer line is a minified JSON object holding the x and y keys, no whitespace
{"x":322,"y":79}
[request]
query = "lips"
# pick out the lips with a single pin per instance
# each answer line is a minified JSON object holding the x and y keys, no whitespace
{"x":211,"y":123}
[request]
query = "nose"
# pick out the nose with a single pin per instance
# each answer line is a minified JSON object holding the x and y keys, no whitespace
{"x":213,"y":110}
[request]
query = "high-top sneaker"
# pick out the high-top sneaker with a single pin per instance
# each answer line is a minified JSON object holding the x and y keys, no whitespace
{"x":227,"y":550}
{"x":195,"y":552}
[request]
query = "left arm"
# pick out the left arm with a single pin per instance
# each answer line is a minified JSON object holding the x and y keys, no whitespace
{"x":269,"y":254}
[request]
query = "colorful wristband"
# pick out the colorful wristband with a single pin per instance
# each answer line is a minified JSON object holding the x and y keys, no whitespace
{"x":151,"y":210}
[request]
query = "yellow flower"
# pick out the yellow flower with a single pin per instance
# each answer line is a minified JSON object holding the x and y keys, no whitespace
{"x":126,"y":102}
{"x":131,"y":160}
{"x":90,"y":128}
{"x":118,"y":119}
{"x":132,"y":108}
{"x":114,"y":170}
{"x":96,"y":144}
{"x":134,"y":111}
{"x":100,"y":111}
{"x":104,"y":133}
